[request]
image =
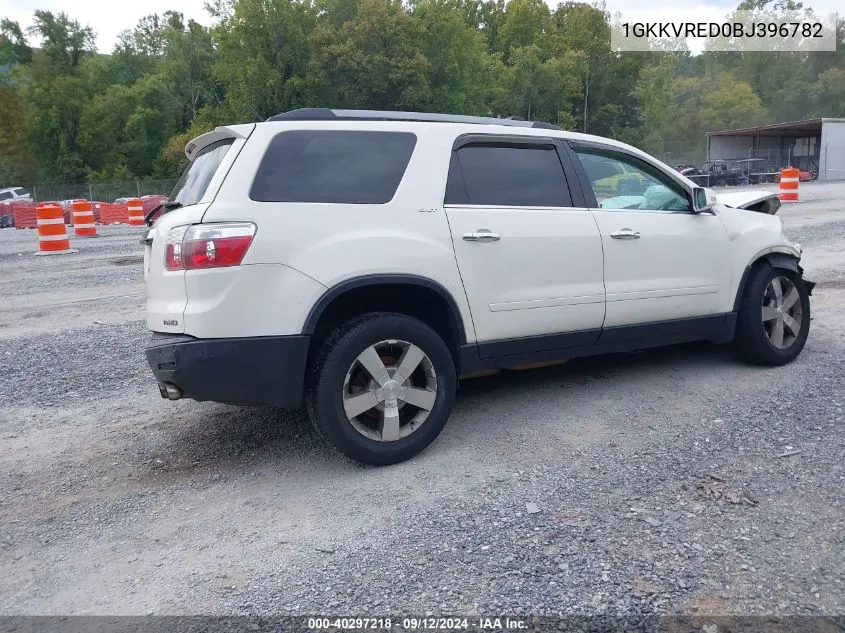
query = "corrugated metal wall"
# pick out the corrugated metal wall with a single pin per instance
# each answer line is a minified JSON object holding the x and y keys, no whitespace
{"x":832,"y":154}
{"x":730,"y":147}
{"x":777,"y":151}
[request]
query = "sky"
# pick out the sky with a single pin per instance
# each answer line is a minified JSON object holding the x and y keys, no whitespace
{"x":106,"y":18}
{"x":109,"y":18}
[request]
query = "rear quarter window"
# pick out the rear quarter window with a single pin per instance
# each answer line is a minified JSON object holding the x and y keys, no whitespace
{"x":195,"y":179}
{"x":333,"y":166}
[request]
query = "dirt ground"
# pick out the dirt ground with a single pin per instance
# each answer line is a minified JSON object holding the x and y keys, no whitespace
{"x":673,"y":481}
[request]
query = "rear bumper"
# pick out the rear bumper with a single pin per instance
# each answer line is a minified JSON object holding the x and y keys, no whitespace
{"x":267,"y":370}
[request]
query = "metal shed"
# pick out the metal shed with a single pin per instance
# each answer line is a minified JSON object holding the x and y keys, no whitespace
{"x":810,"y":145}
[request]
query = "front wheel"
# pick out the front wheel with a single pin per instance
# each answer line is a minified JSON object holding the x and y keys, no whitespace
{"x":774,"y":317}
{"x":381,"y":388}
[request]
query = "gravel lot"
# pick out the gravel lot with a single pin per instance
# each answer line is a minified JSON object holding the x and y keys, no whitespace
{"x":673,"y":481}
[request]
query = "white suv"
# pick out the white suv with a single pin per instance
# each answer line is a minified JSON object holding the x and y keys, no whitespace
{"x":363,"y":262}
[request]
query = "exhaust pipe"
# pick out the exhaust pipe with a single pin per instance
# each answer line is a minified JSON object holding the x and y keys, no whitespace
{"x":170,"y":392}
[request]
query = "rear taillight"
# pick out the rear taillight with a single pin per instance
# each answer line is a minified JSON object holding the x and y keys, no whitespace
{"x":173,"y":248}
{"x":202,"y":246}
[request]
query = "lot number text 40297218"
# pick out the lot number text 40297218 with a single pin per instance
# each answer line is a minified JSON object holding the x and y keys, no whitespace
{"x":418,"y":624}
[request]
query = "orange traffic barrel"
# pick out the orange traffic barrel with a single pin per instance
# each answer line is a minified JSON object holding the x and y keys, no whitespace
{"x":789,"y":178}
{"x":83,"y":219}
{"x":136,"y":212}
{"x":52,"y":233}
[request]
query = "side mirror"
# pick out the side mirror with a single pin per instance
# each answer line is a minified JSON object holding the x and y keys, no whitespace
{"x":703,"y":199}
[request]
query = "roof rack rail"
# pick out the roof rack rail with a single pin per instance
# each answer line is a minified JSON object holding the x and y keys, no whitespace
{"x":326,"y":114}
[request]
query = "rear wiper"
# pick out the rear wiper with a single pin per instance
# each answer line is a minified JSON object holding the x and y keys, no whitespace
{"x":168,"y":206}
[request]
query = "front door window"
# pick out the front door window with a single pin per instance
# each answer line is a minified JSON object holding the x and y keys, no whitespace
{"x":620,"y":181}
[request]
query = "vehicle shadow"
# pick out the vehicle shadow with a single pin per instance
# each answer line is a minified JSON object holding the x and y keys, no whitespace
{"x":230,"y":439}
{"x":223,"y":439}
{"x":580,"y":371}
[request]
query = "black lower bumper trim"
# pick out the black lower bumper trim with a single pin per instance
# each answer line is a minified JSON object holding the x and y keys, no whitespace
{"x":267,"y":370}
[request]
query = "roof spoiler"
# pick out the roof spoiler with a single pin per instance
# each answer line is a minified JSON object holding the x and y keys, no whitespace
{"x":220,"y":133}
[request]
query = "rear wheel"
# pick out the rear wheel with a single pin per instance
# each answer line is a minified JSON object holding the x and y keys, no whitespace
{"x":381,"y":388}
{"x":774,"y":317}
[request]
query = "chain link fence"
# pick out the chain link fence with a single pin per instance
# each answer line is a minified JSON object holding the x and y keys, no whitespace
{"x":678,"y":155}
{"x":101,"y":191}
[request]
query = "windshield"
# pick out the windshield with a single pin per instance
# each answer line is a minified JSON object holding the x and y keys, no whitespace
{"x":194,"y":181}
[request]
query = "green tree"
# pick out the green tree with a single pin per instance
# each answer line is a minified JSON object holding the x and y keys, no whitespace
{"x":729,"y":104}
{"x":14,"y":48}
{"x":542,"y":89}
{"x":828,"y":93}
{"x":372,"y":61}
{"x":489,"y":16}
{"x":678,"y":111}
{"x":65,"y":41}
{"x":139,"y":51}
{"x":525,"y":23}
{"x":263,"y":53}
{"x":54,"y":92}
{"x":459,"y":67}
{"x":15,"y":162}
{"x":607,"y":78}
{"x":654,"y":92}
{"x":188,"y":58}
{"x":53,"y":111}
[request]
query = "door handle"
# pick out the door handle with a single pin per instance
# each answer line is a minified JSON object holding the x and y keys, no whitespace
{"x":625,"y":234}
{"x":482,"y":235}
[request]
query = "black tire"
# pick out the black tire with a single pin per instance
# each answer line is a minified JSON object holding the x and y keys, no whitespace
{"x":751,"y":340}
{"x":325,"y":385}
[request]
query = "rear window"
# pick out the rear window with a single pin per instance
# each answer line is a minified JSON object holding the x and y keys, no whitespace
{"x":344,"y":167}
{"x":194,"y":181}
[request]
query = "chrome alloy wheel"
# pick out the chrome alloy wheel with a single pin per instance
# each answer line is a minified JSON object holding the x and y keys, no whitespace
{"x":389,"y":390}
{"x":782,"y":312}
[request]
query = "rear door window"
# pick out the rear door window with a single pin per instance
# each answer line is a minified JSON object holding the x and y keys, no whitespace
{"x":343,"y":167}
{"x":498,"y":175}
{"x":195,"y":179}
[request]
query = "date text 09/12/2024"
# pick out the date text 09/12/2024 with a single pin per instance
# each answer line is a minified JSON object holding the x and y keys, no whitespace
{"x":418,"y":624}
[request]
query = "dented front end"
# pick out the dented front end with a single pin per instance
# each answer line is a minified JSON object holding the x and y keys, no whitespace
{"x":760,"y":201}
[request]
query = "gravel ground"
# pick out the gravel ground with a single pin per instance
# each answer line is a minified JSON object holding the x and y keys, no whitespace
{"x":676,"y":481}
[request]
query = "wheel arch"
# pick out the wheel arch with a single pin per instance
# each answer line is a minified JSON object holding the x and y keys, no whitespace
{"x":435,"y":302}
{"x":785,"y":259}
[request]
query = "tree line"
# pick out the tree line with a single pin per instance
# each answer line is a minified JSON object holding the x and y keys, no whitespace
{"x":70,"y":114}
